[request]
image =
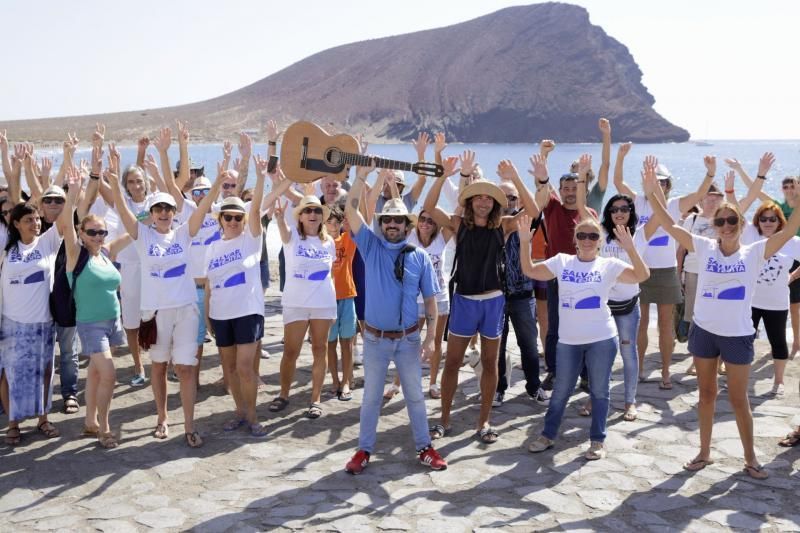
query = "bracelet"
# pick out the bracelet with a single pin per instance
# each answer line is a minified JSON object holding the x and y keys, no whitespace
{"x":710,"y":176}
{"x":465,"y":175}
{"x":731,"y":191}
{"x":272,"y":143}
{"x":543,"y":182}
{"x":94,"y":176}
{"x":580,"y":181}
{"x":761,"y":177}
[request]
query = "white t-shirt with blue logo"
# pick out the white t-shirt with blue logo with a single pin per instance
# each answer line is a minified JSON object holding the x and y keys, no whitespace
{"x":725,"y":286}
{"x":772,"y":286}
{"x":27,"y":278}
{"x":166,"y":279}
{"x":234,"y":276}
{"x":209,"y":233}
{"x":309,"y":283}
{"x":583,"y":289}
{"x":623,"y":291}
{"x":661,"y":250}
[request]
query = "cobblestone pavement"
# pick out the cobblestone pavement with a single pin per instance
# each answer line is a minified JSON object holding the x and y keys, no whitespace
{"x":294,"y":478}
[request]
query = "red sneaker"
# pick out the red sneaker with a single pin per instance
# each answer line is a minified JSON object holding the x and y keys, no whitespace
{"x":358,"y":463}
{"x":431,"y":458}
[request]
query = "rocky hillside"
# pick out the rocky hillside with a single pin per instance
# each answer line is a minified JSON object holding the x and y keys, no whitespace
{"x":516,"y":75}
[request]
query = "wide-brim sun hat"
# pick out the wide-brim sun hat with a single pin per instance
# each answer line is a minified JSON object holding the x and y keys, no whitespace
{"x":162,"y":198}
{"x":54,"y":191}
{"x":395,"y":206}
{"x":201,"y":183}
{"x":477,"y":188}
{"x":663,"y":173}
{"x":311,"y":201}
{"x":232,"y":204}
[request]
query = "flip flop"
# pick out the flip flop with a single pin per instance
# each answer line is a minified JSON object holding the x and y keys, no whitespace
{"x":487,"y":435}
{"x":161,"y":432}
{"x":585,"y":411}
{"x":257,"y":430}
{"x":630,"y":414}
{"x":107,"y":440}
{"x":665,"y":385}
{"x":756,"y":472}
{"x":697,"y":464}
{"x":345,"y":396}
{"x":791,"y":440}
{"x":234,"y":424}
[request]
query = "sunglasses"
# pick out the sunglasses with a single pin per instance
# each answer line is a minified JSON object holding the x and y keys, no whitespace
{"x":732,"y":220}
{"x":620,"y":209}
{"x":51,"y":200}
{"x":227,"y":186}
{"x":198,"y":192}
{"x":512,"y":198}
{"x":426,"y":220}
{"x":767,"y":219}
{"x":788,"y":187}
{"x":237,"y":218}
{"x":581,"y":236}
{"x":663,"y":182}
{"x":309,"y":210}
{"x":397,"y":219}
{"x":4,"y":212}
{"x":95,"y":232}
{"x":161,"y":207}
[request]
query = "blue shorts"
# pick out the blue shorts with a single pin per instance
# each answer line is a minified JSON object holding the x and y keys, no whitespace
{"x":733,"y":350}
{"x":468,"y":317}
{"x":239,"y":330}
{"x":100,"y":336}
{"x":344,"y":327}
{"x":201,"y":306}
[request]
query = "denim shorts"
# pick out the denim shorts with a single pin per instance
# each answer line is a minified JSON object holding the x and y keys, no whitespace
{"x":100,"y":336}
{"x":344,"y":327}
{"x":240,"y":330}
{"x":733,"y":350}
{"x":468,"y":316}
{"x":201,"y":306}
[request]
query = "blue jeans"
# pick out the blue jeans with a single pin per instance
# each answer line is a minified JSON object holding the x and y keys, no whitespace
{"x":69,"y":361}
{"x":405,"y":353}
{"x":628,"y":329}
{"x":599,"y":357}
{"x":522,"y":314}
{"x":551,"y":340}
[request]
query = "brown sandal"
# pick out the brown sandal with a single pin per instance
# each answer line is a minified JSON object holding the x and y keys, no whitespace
{"x":90,"y":432}
{"x":755,"y":472}
{"x":193,"y":440}
{"x":47,"y":429}
{"x":13,"y":436}
{"x":791,"y":440}
{"x":107,"y":440}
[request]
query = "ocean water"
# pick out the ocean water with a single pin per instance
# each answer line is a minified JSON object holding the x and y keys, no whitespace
{"x":684,"y":160}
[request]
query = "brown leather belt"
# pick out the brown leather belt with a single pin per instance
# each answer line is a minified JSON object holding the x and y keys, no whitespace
{"x":391,"y":334}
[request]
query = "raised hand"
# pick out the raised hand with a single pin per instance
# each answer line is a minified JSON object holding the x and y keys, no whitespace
{"x":362,"y":143}
{"x":151,"y":166}
{"x":227,"y":150}
{"x":624,"y":237}
{"x":280,"y":207}
{"x":144,"y":142}
{"x":651,"y":161}
{"x":261,"y":166}
{"x":183,"y":131}
{"x":272,"y":131}
{"x":19,"y":152}
{"x":649,"y":178}
{"x":388,"y":176}
{"x":765,"y":163}
{"x":450,"y":165}
{"x":584,"y":165}
{"x":75,"y":184}
{"x":85,"y":169}
{"x":734,"y":164}
{"x":222,"y":173}
{"x":710,"y":162}
{"x":624,"y":149}
{"x":47,"y":167}
{"x":99,"y":134}
{"x":507,"y":171}
{"x":605,"y":126}
{"x":730,"y":180}
{"x":439,"y":142}
{"x":163,"y":140}
{"x":245,"y":147}
{"x":363,"y":172}
{"x":524,"y":227}
{"x":539,"y":168}
{"x":546,"y":146}
{"x":4,"y":141}
{"x":467,"y":159}
{"x":421,"y":144}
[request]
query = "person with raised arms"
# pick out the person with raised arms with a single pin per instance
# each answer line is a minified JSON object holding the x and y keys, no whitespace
{"x":722,"y":325}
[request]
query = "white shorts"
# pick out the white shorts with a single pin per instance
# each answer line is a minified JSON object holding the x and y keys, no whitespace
{"x":304,"y":314}
{"x":177,"y":335}
{"x":130,"y":290}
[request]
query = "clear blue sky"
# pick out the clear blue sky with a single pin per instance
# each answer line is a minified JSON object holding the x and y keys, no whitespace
{"x":721,"y":69}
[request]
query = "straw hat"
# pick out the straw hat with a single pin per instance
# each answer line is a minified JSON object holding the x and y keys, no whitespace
{"x":479,"y":187}
{"x":201,"y":183}
{"x":311,"y":201}
{"x":395,"y":206}
{"x":232,"y":204}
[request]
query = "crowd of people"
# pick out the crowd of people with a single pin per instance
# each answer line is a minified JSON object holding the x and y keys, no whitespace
{"x":158,"y":258}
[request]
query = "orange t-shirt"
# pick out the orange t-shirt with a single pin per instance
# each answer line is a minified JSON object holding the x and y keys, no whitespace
{"x":343,"y":267}
{"x":538,"y":246}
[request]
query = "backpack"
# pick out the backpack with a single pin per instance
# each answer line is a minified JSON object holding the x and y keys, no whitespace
{"x":62,"y":299}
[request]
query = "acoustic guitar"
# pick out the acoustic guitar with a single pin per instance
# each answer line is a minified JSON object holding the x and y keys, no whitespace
{"x":308,"y":153}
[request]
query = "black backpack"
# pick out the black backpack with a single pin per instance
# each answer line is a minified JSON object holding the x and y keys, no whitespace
{"x":62,"y":301}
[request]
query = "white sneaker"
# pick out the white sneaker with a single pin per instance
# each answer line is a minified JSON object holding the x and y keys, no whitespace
{"x":264,"y":353}
{"x":596,"y":451}
{"x":498,"y":399}
{"x":778,"y":390}
{"x":542,"y":397}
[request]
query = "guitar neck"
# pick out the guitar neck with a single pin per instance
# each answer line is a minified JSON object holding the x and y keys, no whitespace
{"x":365,"y":161}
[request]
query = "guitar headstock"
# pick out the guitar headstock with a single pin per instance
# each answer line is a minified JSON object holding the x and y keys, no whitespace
{"x":425,"y":168}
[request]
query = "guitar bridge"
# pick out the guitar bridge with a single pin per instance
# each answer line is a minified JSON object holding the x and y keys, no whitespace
{"x":304,"y":156}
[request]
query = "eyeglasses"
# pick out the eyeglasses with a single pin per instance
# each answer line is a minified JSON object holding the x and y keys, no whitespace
{"x":620,"y":209}
{"x":732,"y":220}
{"x":198,"y":192}
{"x":664,"y":182}
{"x":763,"y":219}
{"x":788,"y":186}
{"x":95,"y":232}
{"x":581,"y":236}
{"x":53,"y":200}
{"x":512,"y":198}
{"x":426,"y":220}
{"x":309,"y":210}
{"x":227,"y":186}
{"x":397,"y":219}
{"x":159,"y":207}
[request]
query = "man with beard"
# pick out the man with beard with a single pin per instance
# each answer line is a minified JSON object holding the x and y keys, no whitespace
{"x":396,"y":273}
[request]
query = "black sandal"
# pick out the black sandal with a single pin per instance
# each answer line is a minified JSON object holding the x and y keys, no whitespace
{"x":438,"y":431}
{"x":278,"y":404}
{"x":71,"y":405}
{"x":314,"y":411}
{"x":193,"y":440}
{"x":487,"y":435}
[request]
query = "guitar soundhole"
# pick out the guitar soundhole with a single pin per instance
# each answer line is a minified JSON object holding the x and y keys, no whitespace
{"x":333,"y":157}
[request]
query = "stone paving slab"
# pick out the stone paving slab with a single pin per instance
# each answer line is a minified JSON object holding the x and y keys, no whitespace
{"x":294,"y":478}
